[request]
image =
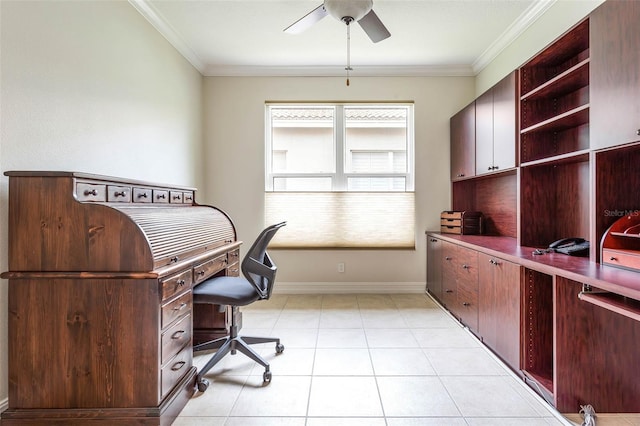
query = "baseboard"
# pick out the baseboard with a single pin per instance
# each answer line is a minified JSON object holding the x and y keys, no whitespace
{"x":348,"y":287}
{"x":4,"y":404}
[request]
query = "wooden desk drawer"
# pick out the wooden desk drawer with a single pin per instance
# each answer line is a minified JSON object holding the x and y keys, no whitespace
{"x":173,"y":371}
{"x":233,"y":257}
{"x":624,"y":258}
{"x":118,"y":194}
{"x":91,"y":192}
{"x":209,"y":268}
{"x":175,"y":338}
{"x":160,"y":196}
{"x":176,"y":284}
{"x":142,"y":195}
{"x":187,"y":197}
{"x":176,"y":308}
{"x":176,"y":197}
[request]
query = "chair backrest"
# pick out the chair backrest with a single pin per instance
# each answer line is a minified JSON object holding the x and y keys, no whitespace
{"x":257,"y":266}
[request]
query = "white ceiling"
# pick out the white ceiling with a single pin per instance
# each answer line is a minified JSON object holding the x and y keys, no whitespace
{"x":428,"y":37}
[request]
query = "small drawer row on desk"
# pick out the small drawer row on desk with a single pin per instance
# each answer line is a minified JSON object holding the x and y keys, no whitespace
{"x":93,"y":192}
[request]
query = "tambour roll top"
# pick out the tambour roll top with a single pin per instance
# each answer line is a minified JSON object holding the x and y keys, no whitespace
{"x":76,"y":222}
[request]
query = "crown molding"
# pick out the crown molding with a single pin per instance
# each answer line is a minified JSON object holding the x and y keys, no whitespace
{"x":168,"y":32}
{"x":524,"y":21}
{"x":537,"y":9}
{"x":338,"y":71}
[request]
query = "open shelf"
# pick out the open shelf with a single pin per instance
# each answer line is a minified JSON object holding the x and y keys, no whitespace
{"x":538,"y":327}
{"x":571,"y":157}
{"x":569,"y":81}
{"x":566,"y":120}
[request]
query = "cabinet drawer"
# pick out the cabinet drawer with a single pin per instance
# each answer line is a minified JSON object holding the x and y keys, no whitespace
{"x":623,"y":258}
{"x":176,"y":284}
{"x":176,"y":308}
{"x":233,"y":257}
{"x":450,"y":215}
{"x":118,"y":194}
{"x":211,"y":267}
{"x":91,"y":192}
{"x":173,"y":371}
{"x":187,"y":197}
{"x":176,"y":337}
{"x":160,"y":196}
{"x":176,"y":197}
{"x":142,"y":195}
{"x":451,"y":222}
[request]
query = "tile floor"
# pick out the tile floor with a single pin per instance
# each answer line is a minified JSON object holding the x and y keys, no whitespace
{"x":364,"y":360}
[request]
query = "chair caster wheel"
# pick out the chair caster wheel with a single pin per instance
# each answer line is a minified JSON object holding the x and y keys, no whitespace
{"x":279,"y":348}
{"x":266,"y":376}
{"x":203,"y":384}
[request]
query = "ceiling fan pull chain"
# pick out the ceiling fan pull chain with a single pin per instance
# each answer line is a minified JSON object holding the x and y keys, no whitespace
{"x":348,"y":68}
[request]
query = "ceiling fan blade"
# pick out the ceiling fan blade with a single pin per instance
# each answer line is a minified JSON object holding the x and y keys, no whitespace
{"x":307,"y":20}
{"x":373,"y":26}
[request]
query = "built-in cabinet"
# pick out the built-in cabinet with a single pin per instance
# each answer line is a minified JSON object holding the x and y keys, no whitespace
{"x":566,"y":324}
{"x":615,"y":74}
{"x":463,"y":143}
{"x":496,"y":127}
{"x":499,"y":307}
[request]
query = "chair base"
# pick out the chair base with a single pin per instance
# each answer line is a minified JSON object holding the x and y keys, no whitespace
{"x":233,"y":343}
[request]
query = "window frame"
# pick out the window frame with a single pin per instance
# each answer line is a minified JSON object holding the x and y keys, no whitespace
{"x":339,"y":177}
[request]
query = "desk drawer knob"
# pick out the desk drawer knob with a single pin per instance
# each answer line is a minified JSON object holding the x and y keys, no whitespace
{"x":178,"y":365}
{"x":466,"y":304}
{"x":91,"y":192}
{"x":177,"y":334}
{"x":181,"y":283}
{"x":174,"y":259}
{"x":465,"y":266}
{"x":120,"y":194}
{"x":448,"y":291}
{"x":613,"y":259}
{"x":180,"y":307}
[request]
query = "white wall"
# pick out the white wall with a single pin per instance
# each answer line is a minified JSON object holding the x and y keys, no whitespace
{"x":92,"y":86}
{"x":234,"y":153}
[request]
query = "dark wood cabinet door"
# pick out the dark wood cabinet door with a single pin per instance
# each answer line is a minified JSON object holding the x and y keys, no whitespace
{"x":484,"y":133}
{"x":463,"y":143}
{"x":449,"y":279}
{"x":499,"y":307}
{"x":434,"y":266}
{"x":504,"y":123}
{"x":615,"y":73}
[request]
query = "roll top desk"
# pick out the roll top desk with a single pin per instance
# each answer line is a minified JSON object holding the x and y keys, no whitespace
{"x":101,"y":320}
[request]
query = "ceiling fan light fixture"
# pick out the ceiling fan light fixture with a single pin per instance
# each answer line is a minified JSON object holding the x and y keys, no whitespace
{"x":355,"y":9}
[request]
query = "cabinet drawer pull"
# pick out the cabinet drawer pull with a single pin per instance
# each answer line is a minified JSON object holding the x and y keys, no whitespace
{"x":142,"y":195}
{"x":200,"y":273}
{"x":447,"y":258}
{"x":466,"y":304}
{"x":177,"y":334}
{"x":494,"y":262}
{"x":188,"y":198}
{"x":638,"y":132}
{"x":433,"y":240}
{"x":161,"y":196}
{"x":181,"y":307}
{"x":178,"y":365}
{"x":448,"y":291}
{"x":465,"y":266}
{"x":174,"y":259}
{"x":460,"y":175}
{"x":91,"y":192}
{"x":612,"y":258}
{"x":120,"y":194}
{"x":181,"y":282}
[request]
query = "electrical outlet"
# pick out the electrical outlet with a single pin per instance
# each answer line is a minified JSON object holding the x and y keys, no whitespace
{"x":341,"y":267}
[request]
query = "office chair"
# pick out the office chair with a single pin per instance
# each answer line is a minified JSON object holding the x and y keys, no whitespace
{"x":257,"y":284}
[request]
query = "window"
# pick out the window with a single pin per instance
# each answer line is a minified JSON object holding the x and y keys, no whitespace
{"x":341,"y":175}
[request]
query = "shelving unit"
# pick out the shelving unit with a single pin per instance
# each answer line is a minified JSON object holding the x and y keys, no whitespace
{"x":554,"y":107}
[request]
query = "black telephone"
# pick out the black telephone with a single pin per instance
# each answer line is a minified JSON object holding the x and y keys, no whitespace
{"x":574,"y":246}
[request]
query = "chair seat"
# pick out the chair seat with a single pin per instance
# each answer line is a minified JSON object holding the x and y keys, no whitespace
{"x":235,"y":291}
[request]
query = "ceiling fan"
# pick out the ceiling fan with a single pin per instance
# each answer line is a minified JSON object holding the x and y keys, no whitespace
{"x":347,"y":11}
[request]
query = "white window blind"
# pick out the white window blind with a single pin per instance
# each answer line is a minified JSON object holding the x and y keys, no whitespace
{"x":342,"y":219}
